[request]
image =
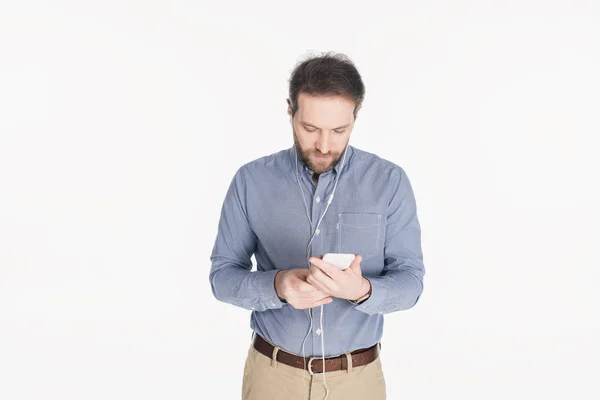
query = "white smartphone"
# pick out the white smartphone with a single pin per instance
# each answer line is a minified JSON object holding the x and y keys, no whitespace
{"x":340,"y":260}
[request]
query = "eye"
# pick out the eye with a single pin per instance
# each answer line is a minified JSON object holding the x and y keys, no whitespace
{"x":309,"y":130}
{"x":342,"y":131}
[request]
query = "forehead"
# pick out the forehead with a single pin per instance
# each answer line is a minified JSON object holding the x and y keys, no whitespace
{"x":323,"y":111}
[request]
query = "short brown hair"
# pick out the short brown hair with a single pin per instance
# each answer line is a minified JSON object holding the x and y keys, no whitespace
{"x":330,"y":74}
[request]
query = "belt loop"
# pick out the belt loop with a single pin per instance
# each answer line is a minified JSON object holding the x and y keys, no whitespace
{"x":274,"y":357}
{"x":349,"y":358}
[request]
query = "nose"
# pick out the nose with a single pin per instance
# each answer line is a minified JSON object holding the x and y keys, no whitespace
{"x":323,"y":144}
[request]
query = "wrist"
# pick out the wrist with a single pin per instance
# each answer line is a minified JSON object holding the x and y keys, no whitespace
{"x":277,"y":284}
{"x":365,"y":291}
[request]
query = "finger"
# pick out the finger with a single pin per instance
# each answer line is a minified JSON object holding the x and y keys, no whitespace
{"x":355,"y":265}
{"x":321,"y":296}
{"x":317,"y":294}
{"x":325,"y":300}
{"x":303,"y":287}
{"x":322,"y":280}
{"x":315,"y":272}
{"x":314,"y":303}
{"x":301,"y":273}
{"x":332,"y":271}
{"x":306,"y":299}
{"x":321,"y":289}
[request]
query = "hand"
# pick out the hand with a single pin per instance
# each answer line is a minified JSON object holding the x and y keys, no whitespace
{"x":292,"y":286}
{"x":348,"y":284}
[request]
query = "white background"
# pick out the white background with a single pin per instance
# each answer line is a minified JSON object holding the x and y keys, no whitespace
{"x":122,"y":124}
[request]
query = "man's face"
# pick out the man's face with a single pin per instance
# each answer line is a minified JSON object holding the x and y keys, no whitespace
{"x":322,"y":127}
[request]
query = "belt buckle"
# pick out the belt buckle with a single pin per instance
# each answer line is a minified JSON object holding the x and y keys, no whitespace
{"x":310,"y":371}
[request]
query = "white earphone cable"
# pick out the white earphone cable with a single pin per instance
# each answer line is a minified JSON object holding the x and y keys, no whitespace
{"x":329,"y":201}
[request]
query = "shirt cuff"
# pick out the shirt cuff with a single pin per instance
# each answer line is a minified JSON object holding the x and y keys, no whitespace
{"x":265,"y":285}
{"x":373,"y":304}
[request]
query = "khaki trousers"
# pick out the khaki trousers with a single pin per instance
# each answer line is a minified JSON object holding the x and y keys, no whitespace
{"x":265,"y":379}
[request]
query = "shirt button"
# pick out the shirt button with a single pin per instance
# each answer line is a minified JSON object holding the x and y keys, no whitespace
{"x":318,"y":331}
{"x":318,"y":231}
{"x":318,"y":199}
{"x":273,"y":303}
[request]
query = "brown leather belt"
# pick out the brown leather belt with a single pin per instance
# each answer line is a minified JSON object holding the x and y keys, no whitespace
{"x":314,"y":365}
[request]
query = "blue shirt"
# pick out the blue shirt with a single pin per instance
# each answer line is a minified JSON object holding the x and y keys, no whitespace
{"x":373,"y":214}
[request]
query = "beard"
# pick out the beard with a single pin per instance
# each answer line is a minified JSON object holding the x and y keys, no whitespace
{"x":309,"y":158}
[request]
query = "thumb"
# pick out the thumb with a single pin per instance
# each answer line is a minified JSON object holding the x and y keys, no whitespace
{"x":355,"y":266}
{"x":302,"y":273}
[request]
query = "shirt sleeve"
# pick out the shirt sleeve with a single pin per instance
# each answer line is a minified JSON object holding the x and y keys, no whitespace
{"x":401,"y":283}
{"x":231,"y":278}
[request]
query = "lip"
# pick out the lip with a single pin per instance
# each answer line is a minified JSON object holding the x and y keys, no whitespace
{"x":321,"y":157}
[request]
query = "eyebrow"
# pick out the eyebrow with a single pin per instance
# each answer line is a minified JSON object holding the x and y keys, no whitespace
{"x":339,"y":127}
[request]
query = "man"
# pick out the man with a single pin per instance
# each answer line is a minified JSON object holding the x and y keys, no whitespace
{"x":279,"y":208}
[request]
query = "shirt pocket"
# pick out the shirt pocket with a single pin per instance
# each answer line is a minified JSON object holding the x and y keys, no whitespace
{"x":358,"y":233}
